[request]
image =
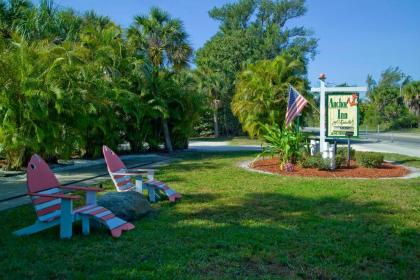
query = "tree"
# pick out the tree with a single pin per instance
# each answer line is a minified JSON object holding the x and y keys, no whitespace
{"x":70,"y":83}
{"x":262,"y":92}
{"x":411,"y":94}
{"x":212,"y":84}
{"x":386,"y":104}
{"x":252,"y":30}
{"x":160,"y":39}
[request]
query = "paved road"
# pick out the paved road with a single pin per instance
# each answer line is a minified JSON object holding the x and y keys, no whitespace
{"x":15,"y":186}
{"x":400,"y":143}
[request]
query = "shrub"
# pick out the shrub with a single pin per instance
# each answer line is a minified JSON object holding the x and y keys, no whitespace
{"x":340,"y":160}
{"x":342,"y":151}
{"x":285,"y":143}
{"x":369,"y":159}
{"x":315,"y":162}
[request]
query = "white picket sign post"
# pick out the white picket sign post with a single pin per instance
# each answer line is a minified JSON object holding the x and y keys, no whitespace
{"x":322,"y":90}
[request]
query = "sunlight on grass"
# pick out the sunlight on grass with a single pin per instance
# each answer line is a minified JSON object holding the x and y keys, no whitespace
{"x":232,"y":223}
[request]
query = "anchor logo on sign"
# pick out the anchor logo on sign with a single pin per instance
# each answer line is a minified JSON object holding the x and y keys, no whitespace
{"x":353,"y":100}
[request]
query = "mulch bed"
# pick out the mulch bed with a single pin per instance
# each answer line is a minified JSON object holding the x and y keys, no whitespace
{"x":387,"y":170}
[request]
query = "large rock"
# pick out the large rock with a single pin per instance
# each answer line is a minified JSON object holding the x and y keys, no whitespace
{"x":126,"y":205}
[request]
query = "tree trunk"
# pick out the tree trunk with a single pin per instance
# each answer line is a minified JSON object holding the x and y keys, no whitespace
{"x":168,"y":143}
{"x":216,"y":124}
{"x":226,"y":124}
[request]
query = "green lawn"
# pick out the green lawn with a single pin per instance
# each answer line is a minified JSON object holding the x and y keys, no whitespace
{"x":402,"y":159}
{"x":236,"y":224}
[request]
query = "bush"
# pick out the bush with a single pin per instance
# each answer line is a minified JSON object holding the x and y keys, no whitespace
{"x":369,"y":159}
{"x":342,"y":151}
{"x":315,"y":162}
{"x":285,"y":143}
{"x":340,"y":160}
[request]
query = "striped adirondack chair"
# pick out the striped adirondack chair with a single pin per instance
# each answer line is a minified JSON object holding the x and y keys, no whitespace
{"x":54,"y":207}
{"x":122,"y":178}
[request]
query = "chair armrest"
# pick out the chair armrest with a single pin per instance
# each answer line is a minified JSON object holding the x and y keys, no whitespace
{"x":62,"y":196}
{"x":79,"y":188}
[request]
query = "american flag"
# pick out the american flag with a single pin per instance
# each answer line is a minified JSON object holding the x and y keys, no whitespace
{"x":294,"y":105}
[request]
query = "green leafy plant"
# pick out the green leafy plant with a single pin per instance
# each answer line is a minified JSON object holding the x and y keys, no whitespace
{"x":262,"y":90}
{"x":369,"y":159}
{"x":285,"y":143}
{"x":340,"y":160}
{"x":315,"y":162}
{"x":343,"y":151}
{"x":70,"y":83}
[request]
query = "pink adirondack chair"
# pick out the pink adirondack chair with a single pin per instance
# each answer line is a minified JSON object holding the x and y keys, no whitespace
{"x":122,"y":178}
{"x":54,"y":207}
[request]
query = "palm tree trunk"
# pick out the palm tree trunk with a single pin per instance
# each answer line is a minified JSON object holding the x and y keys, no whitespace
{"x":168,"y":142}
{"x":216,"y":124}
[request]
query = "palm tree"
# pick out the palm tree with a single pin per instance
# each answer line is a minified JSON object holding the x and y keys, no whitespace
{"x":211,"y":84}
{"x":262,"y":92}
{"x":411,"y":94}
{"x":162,"y":41}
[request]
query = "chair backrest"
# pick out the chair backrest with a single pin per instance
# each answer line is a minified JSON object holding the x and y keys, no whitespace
{"x":40,"y":179}
{"x":114,"y":164}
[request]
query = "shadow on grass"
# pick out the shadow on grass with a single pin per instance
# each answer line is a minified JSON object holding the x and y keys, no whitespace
{"x":258,"y":234}
{"x":226,"y":235}
{"x":414,"y":162}
{"x":288,"y":236}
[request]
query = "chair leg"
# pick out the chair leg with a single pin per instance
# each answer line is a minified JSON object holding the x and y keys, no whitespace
{"x":85,"y":225}
{"x":37,"y":227}
{"x":139,"y":185}
{"x":66,"y":219}
{"x":152,"y":194}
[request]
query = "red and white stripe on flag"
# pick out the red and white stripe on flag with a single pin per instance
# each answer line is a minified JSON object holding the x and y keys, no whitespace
{"x":295,"y":105}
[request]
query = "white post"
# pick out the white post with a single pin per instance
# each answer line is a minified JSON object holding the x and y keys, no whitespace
{"x":322,"y":118}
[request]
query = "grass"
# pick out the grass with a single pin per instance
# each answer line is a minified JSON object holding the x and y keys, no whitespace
{"x":236,"y":224}
{"x":402,"y":159}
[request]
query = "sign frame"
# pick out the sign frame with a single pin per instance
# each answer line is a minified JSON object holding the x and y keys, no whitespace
{"x":327,"y":95}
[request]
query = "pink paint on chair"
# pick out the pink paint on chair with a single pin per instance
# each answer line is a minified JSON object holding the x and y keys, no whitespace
{"x":113,"y":162}
{"x":48,"y":198}
{"x":39,"y":175}
{"x":122,"y":177}
{"x":117,"y":231}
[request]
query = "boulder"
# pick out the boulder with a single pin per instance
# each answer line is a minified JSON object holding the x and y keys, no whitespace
{"x":126,"y":205}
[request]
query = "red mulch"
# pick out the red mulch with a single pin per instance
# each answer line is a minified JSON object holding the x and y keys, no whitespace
{"x":387,"y":170}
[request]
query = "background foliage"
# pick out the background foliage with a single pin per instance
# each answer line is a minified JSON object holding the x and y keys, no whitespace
{"x":70,"y":83}
{"x":250,"y":31}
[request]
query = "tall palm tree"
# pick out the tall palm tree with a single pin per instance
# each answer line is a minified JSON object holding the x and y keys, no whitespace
{"x":160,"y":39}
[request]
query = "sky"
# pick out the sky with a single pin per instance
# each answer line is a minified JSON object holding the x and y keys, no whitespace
{"x":356,"y":37}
